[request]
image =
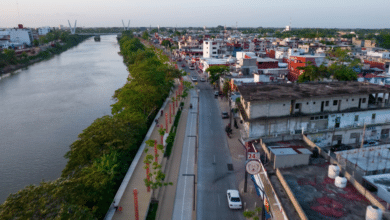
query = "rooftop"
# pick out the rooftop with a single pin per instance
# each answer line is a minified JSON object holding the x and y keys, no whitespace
{"x":369,"y":158}
{"x":381,"y":181}
{"x":319,"y":197}
{"x":267,"y":92}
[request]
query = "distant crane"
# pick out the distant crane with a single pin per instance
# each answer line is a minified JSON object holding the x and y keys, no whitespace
{"x":128,"y":25}
{"x":72,"y":31}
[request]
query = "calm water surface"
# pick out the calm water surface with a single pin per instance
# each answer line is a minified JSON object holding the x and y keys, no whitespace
{"x":45,"y":107}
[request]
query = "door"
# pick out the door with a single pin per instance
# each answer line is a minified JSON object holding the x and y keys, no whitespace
{"x":339,"y":105}
{"x":337,"y":125}
{"x":360,"y":103}
{"x":322,"y":106}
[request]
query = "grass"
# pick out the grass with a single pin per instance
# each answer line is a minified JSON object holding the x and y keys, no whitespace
{"x":152,"y":210}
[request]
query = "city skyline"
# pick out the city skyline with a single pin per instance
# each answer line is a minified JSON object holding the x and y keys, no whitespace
{"x":272,"y":13}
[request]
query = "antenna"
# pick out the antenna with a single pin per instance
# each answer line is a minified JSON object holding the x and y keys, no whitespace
{"x":17,"y":7}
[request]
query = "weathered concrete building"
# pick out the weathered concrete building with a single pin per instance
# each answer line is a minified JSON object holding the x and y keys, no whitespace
{"x":329,"y":113}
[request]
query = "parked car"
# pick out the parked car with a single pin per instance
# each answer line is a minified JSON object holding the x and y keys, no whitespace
{"x":340,"y":147}
{"x":370,"y":143}
{"x":234,"y":200}
{"x":183,"y":65}
{"x":225,"y":115}
{"x":191,"y":67}
{"x":194,"y":78}
{"x":203,"y":79}
{"x":216,"y":93}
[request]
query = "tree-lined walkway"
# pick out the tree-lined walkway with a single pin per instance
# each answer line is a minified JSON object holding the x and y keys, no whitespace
{"x":139,"y":174}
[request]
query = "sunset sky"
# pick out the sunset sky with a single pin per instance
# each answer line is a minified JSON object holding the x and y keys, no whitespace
{"x":250,"y":13}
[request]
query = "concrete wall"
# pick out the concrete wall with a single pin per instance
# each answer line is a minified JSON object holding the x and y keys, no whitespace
{"x":269,"y":108}
{"x":310,"y":106}
{"x":281,"y":161}
{"x":290,"y":194}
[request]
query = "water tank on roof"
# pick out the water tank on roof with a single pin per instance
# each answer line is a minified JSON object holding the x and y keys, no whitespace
{"x":333,"y":171}
{"x":340,"y":182}
{"x":373,"y":213}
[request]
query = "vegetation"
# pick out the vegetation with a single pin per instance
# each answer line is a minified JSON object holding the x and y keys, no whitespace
{"x":99,"y":159}
{"x":342,"y":68}
{"x":152,"y":211}
{"x":9,"y":57}
{"x":216,"y":72}
{"x":253,"y":214}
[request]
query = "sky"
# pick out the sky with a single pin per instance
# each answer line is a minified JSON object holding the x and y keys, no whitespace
{"x":199,"y":13}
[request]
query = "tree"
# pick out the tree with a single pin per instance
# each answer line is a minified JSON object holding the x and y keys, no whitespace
{"x":35,"y":42}
{"x":216,"y":71}
{"x":145,"y":35}
{"x":253,"y":214}
{"x":226,"y":88}
{"x":166,"y":43}
{"x":186,"y":86}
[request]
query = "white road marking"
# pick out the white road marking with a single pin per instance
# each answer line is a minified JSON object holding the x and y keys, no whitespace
{"x":185,"y":180}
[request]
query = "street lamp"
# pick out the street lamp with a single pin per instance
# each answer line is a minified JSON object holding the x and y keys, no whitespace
{"x":193,"y":203}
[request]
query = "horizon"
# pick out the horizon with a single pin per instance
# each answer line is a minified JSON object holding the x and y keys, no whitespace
{"x":347,"y":14}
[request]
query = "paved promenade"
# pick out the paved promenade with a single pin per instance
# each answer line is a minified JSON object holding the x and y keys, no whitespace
{"x":138,"y":175}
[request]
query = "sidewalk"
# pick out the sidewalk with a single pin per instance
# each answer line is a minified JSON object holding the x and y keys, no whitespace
{"x":167,"y":194}
{"x":250,"y":198}
{"x":139,"y":174}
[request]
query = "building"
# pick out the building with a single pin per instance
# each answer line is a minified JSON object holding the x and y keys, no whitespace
{"x":329,"y":113}
{"x":302,"y":61}
{"x":43,"y":30}
{"x":21,"y":35}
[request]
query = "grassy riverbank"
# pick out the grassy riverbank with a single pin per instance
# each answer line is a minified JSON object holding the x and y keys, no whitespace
{"x":99,"y":159}
{"x":10,"y":62}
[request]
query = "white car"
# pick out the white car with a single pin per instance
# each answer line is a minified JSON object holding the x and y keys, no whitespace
{"x":203,"y":79}
{"x":234,"y":200}
{"x":194,"y":78}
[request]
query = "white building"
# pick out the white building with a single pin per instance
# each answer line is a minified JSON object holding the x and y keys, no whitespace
{"x":329,"y":113}
{"x":21,"y":36}
{"x":43,"y":30}
{"x":210,"y":49}
{"x":382,"y":54}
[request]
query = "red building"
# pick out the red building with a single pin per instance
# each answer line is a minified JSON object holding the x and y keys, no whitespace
{"x":267,"y":63}
{"x":374,"y":64}
{"x":270,"y":53}
{"x":297,"y":61}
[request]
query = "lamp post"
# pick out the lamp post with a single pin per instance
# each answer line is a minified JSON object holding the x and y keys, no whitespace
{"x":193,"y":203}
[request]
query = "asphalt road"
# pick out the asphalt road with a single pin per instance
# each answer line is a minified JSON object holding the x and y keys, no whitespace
{"x":214,"y":178}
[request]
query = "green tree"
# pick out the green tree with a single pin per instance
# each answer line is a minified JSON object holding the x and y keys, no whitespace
{"x":226,"y":89}
{"x":166,"y":43}
{"x":216,"y":71}
{"x":145,"y":35}
{"x":35,"y":42}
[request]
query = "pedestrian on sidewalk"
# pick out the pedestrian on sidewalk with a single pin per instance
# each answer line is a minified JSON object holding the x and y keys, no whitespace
{"x":162,"y":112}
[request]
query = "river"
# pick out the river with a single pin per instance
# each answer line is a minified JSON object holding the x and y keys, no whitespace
{"x":45,"y":107}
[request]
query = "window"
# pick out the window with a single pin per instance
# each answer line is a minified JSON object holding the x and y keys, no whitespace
{"x":334,"y":102}
{"x":321,"y":117}
{"x":347,"y":100}
{"x":316,"y":118}
{"x":325,"y":117}
{"x":373,"y":116}
{"x":214,"y":48}
{"x":311,"y":118}
{"x":307,"y":103}
{"x":284,"y":104}
{"x":314,"y":103}
{"x":214,"y":52}
{"x":297,"y":106}
{"x":364,"y":100}
{"x":356,"y":117}
{"x":327,"y":103}
{"x":353,"y":100}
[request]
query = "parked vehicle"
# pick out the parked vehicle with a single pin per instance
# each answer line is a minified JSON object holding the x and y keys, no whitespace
{"x":370,"y":143}
{"x":194,"y":78}
{"x":225,"y":115}
{"x":203,"y":79}
{"x":183,"y":65}
{"x":216,"y":93}
{"x":340,"y":147}
{"x":234,"y":200}
{"x":192,"y":67}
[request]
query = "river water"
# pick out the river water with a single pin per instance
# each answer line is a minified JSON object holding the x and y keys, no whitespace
{"x":45,"y":107}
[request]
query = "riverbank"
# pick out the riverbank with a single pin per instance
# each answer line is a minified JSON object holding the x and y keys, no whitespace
{"x":16,"y":63}
{"x":101,"y":156}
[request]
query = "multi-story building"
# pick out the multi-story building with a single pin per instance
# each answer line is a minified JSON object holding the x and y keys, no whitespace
{"x":329,"y":113}
{"x":43,"y":30}
{"x":301,"y":61}
{"x":21,"y":35}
